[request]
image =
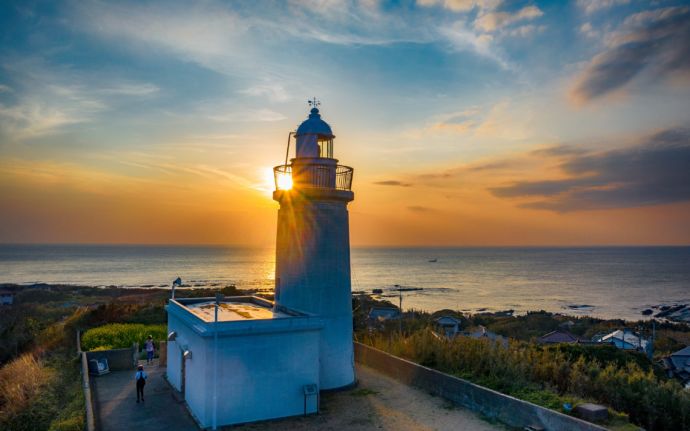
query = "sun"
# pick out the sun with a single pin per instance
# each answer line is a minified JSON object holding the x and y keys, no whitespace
{"x":283,"y":181}
{"x":276,"y":181}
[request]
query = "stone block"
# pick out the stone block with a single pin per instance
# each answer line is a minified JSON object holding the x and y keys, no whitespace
{"x":592,"y":412}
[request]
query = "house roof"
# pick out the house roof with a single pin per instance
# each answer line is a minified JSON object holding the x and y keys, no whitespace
{"x":682,"y":352}
{"x":559,"y":336}
{"x":383,"y":312}
{"x":447,"y":320}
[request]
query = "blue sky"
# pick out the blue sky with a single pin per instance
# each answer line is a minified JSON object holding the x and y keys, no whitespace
{"x":461,"y":102}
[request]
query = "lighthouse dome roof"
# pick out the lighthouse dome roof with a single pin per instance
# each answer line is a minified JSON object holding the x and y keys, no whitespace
{"x":314,"y":125}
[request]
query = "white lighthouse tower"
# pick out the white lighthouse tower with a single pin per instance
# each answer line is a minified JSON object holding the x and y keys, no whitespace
{"x":313,"y":244}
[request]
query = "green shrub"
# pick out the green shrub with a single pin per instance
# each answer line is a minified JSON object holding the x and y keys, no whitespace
{"x":74,"y":423}
{"x":548,"y":375}
{"x":120,"y":335}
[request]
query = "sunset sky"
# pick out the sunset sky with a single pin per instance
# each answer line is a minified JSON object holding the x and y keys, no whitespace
{"x":468,"y":122}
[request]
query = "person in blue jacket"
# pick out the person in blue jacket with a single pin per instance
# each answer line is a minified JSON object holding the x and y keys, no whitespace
{"x":140,"y":377}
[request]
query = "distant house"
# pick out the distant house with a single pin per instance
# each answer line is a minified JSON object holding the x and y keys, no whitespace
{"x":6,"y":297}
{"x":558,"y":336}
{"x":381,"y":314}
{"x":448,"y":326}
{"x":678,"y":365}
{"x":481,"y":332}
{"x":624,"y":339}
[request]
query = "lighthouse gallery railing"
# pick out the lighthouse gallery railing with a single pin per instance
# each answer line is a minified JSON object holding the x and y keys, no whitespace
{"x":337,"y":177}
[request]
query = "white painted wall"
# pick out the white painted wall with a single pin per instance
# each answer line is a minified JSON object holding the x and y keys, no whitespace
{"x":313,"y":272}
{"x":262,"y":377}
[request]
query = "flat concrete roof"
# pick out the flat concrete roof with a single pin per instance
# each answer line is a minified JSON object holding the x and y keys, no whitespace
{"x":240,"y":315}
{"x":233,"y":310}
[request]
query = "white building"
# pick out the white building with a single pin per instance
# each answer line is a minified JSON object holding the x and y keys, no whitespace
{"x":448,"y":326}
{"x":266,"y":359}
{"x":625,"y":339}
{"x":6,"y":298}
{"x":262,"y":360}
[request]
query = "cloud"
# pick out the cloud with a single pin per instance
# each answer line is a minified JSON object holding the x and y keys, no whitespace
{"x":393,"y":183}
{"x":420,"y":209}
{"x":492,"y":21}
{"x":653,"y":173}
{"x":5,"y":89}
{"x":588,"y":30}
{"x":50,"y":97}
{"x":656,"y":42}
{"x":131,"y":89}
{"x":505,"y":119}
{"x":558,"y":151}
{"x":461,"y":5}
{"x":592,"y":6}
{"x":273,"y":91}
{"x":526,"y":30}
{"x":463,"y":39}
{"x":247,"y":115}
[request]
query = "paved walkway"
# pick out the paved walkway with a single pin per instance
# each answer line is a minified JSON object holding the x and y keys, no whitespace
{"x":117,"y":409}
{"x":377,"y":403}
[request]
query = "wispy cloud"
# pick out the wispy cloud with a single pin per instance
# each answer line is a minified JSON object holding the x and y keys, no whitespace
{"x":593,"y":6}
{"x":421,"y":209}
{"x":494,"y":20}
{"x":393,"y":183}
{"x":51,"y":97}
{"x":654,"y":42}
{"x":502,"y":120}
{"x":461,"y":5}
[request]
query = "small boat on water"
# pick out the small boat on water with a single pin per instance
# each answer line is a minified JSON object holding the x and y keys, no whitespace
{"x":434,"y":260}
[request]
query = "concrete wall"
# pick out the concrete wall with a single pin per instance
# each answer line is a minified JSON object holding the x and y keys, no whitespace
{"x":195,"y":374}
{"x":86,"y":387}
{"x":118,"y":359}
{"x":509,"y":410}
{"x":162,"y":354}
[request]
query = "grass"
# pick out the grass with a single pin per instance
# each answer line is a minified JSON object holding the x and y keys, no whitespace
{"x":362,"y":392}
{"x":21,"y":381}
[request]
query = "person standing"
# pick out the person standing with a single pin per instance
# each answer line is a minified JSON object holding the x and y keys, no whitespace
{"x":140,"y":377}
{"x":149,"y":349}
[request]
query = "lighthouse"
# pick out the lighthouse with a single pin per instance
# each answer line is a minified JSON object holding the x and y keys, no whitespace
{"x":313,"y":244}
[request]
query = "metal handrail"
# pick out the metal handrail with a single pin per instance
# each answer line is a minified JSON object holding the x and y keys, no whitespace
{"x":338,"y":177}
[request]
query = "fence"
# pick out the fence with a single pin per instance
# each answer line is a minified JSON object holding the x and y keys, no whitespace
{"x":504,"y":408}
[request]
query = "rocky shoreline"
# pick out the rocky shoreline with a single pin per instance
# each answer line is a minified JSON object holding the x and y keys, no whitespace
{"x":675,"y":312}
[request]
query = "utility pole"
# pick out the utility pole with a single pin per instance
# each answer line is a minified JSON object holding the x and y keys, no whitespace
{"x":219,"y":297}
{"x":401,"y":310}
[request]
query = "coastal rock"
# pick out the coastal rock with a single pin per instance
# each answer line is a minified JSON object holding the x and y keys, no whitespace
{"x":676,"y":312}
{"x":647,"y":312}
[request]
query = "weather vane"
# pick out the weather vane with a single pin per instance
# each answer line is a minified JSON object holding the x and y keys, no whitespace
{"x":314,"y":103}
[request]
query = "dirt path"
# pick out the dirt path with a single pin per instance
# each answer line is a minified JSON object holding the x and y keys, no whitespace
{"x":381,"y":403}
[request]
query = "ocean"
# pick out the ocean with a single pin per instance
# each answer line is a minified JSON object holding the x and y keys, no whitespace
{"x":608,"y":282}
